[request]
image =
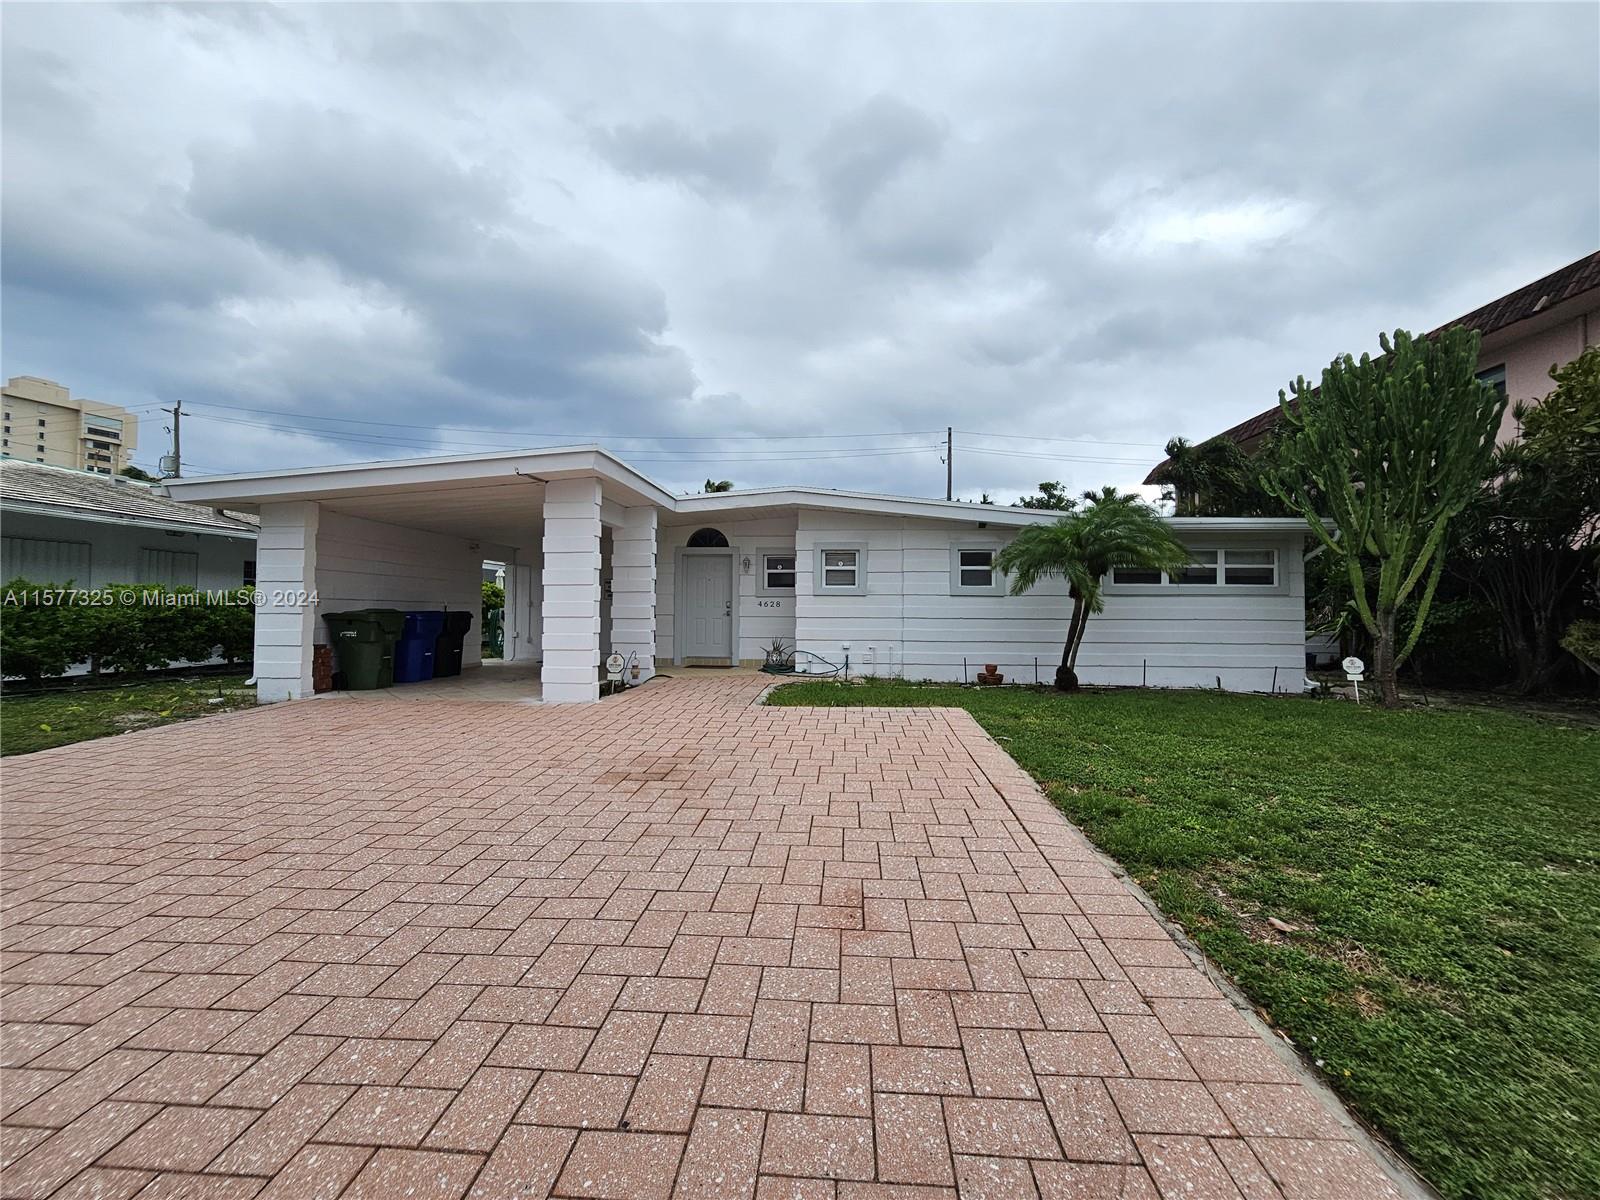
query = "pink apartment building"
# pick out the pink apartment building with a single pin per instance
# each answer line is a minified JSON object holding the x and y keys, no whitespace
{"x":1546,"y":323}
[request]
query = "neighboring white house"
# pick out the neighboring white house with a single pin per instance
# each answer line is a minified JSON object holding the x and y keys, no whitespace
{"x":59,"y":525}
{"x":600,"y":558}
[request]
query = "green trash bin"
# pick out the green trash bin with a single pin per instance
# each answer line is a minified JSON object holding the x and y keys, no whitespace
{"x":392,"y":621}
{"x":359,"y":648}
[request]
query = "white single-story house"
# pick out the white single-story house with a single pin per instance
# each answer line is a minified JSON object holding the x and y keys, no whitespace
{"x":61,"y":525}
{"x":599,"y":558}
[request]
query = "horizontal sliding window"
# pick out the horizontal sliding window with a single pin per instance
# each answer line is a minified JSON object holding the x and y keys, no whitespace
{"x":1208,"y":569}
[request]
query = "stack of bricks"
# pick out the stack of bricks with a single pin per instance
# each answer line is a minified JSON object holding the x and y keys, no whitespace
{"x":322,"y":668}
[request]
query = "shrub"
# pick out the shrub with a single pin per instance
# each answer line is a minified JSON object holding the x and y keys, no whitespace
{"x":143,"y":627}
{"x":494,"y":596}
{"x":40,"y":639}
{"x":1582,"y":641}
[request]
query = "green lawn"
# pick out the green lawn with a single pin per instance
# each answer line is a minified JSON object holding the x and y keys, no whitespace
{"x":1441,"y":868}
{"x":39,"y":720}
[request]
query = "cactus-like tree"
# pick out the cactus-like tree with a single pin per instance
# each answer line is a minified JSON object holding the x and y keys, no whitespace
{"x":1082,"y":548}
{"x":1391,"y":449}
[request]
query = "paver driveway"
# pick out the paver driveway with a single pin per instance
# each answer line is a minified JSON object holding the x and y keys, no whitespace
{"x":669,"y":945}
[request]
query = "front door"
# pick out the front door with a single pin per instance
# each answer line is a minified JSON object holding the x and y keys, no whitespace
{"x":708,"y":606}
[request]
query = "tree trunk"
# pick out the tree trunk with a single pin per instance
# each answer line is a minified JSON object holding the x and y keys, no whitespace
{"x":1066,"y":677}
{"x":1537,"y":660}
{"x":1383,"y":652}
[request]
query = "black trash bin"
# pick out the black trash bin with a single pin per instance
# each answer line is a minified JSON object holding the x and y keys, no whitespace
{"x":451,"y":645}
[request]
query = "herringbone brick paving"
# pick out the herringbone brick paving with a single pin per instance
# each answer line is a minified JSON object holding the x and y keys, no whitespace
{"x":671,"y":945}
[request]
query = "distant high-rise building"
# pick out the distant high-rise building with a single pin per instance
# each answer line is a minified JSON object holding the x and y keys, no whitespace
{"x":43,"y":423}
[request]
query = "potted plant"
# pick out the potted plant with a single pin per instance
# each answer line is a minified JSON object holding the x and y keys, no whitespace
{"x":780,"y":657}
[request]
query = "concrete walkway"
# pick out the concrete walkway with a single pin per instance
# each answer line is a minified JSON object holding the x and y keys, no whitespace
{"x":667,"y":945}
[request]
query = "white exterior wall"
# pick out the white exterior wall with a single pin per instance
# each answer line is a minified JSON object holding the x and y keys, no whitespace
{"x":908,"y":623}
{"x":114,"y":550}
{"x":760,"y":618}
{"x":571,"y":602}
{"x":633,"y":589}
{"x":370,"y":564}
{"x":286,"y":573}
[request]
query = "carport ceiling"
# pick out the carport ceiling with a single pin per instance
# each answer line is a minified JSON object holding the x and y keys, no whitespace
{"x":504,"y":509}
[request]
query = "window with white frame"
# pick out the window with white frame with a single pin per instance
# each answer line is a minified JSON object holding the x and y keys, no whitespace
{"x":1202,"y":568}
{"x":972,"y":570}
{"x":1250,"y":568}
{"x":841,"y":569}
{"x":777,"y":572}
{"x":1230,"y":568}
{"x":976,"y":568}
{"x":1135,"y":575}
{"x":1237,"y":567}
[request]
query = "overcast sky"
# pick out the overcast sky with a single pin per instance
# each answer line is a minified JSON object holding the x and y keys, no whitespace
{"x":462,"y":227}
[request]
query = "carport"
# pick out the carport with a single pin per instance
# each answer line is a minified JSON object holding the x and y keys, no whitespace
{"x":575,"y":526}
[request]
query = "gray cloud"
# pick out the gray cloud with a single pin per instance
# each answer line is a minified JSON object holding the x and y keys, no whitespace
{"x":1086,"y":222}
{"x":866,"y":148}
{"x":736,"y":162}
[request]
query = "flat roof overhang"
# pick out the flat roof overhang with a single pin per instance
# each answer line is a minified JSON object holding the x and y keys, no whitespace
{"x":445,"y":471}
{"x":489,"y":497}
{"x":499,"y":496}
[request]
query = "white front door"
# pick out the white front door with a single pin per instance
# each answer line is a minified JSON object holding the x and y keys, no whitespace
{"x":707,"y":606}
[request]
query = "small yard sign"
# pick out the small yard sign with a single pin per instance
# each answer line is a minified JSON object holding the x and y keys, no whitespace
{"x":1355,"y":670}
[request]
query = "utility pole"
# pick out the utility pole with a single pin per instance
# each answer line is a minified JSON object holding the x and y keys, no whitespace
{"x":949,"y":463}
{"x":177,"y":439}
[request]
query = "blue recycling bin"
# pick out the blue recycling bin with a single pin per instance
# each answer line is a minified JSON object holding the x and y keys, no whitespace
{"x":414,"y":652}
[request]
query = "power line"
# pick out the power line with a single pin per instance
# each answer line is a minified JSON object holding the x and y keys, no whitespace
{"x":1116,"y":462}
{"x":1029,"y":437}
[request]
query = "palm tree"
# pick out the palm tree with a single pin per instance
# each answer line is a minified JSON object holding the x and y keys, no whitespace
{"x":1082,"y":548}
{"x":1212,"y":479}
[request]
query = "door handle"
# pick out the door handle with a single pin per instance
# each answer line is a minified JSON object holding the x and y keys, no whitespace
{"x":727,"y":606}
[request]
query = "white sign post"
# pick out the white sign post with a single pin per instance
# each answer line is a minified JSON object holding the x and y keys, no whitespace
{"x":1354,"y":670}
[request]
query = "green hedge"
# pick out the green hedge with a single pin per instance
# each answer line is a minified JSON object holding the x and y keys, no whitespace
{"x":128,"y":628}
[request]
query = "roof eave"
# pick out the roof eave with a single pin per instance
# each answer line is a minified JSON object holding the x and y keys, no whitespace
{"x":68,"y":512}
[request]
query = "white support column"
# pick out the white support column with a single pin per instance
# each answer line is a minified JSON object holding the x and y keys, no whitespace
{"x":633,"y":589}
{"x":571,"y":636}
{"x":286,"y":576}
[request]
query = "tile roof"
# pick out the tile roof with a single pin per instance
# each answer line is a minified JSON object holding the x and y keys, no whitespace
{"x":1572,"y":280}
{"x":40,"y":486}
